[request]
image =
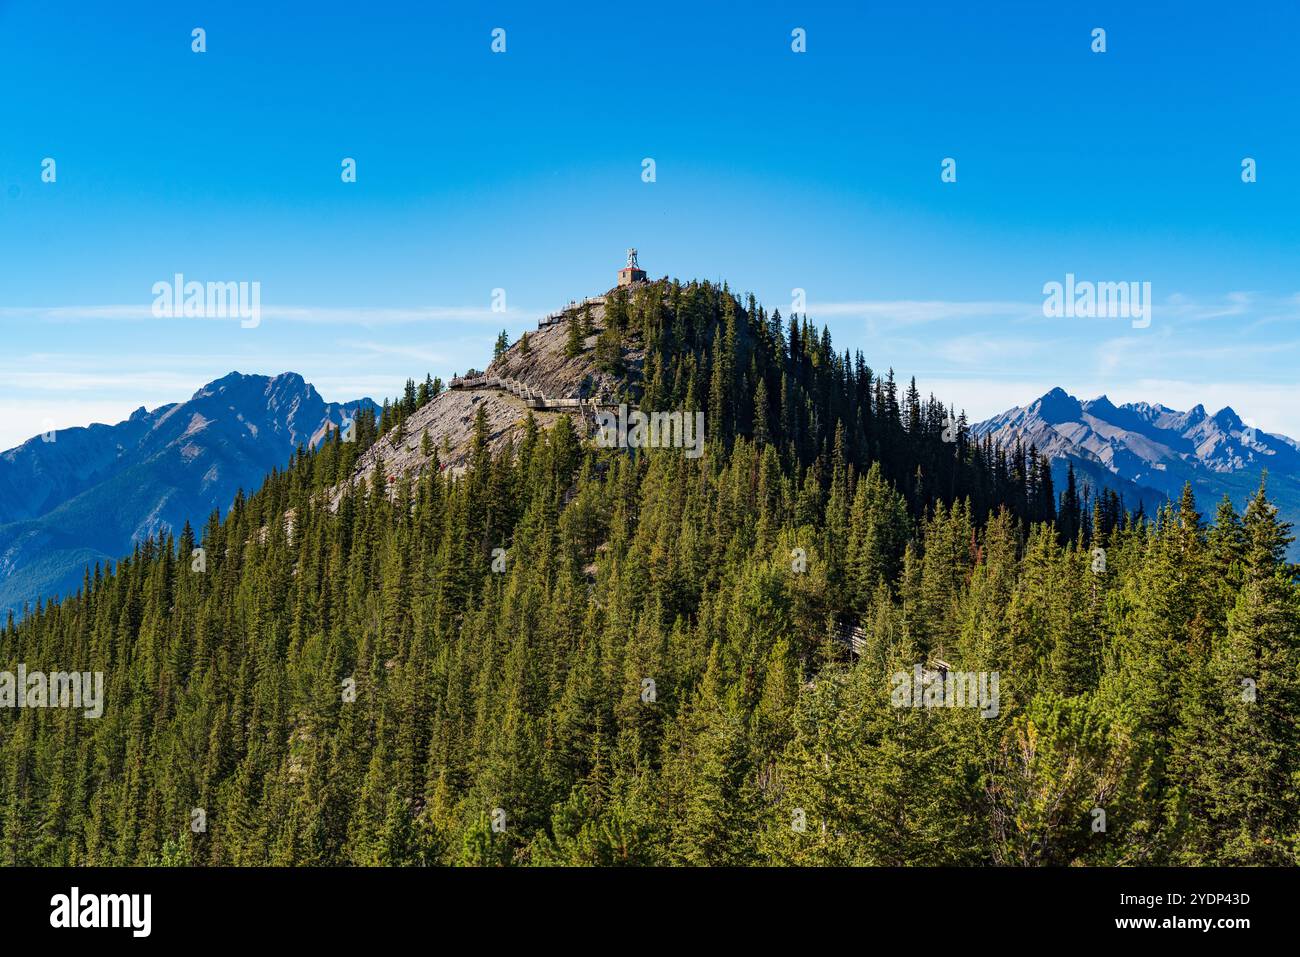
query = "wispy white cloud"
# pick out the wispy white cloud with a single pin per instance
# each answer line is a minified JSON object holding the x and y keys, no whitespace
{"x":57,"y":378}
{"x":1175,"y":307}
{"x":911,"y":312}
{"x":988,"y":350}
{"x":22,"y":419}
{"x":333,"y":315}
{"x":1114,"y":354}
{"x":373,"y":349}
{"x":981,"y":355}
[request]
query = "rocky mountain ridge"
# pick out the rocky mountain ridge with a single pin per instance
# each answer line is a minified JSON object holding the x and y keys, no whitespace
{"x":1147,"y":451}
{"x":86,"y":495}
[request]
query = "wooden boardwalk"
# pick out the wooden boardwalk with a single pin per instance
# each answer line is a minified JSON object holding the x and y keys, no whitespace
{"x":532,"y":398}
{"x":560,"y":315}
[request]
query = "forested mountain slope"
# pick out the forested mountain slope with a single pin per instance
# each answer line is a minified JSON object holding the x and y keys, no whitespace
{"x":568,"y":654}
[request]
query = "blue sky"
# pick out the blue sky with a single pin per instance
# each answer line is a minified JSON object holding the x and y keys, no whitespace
{"x":522,"y":171}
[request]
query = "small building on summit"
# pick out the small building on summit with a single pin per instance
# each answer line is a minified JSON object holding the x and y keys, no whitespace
{"x":631,"y":272}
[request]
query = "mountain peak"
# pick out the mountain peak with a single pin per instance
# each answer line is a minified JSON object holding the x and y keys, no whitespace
{"x":1057,"y":406}
{"x":1226,"y":418}
{"x":230,"y":380}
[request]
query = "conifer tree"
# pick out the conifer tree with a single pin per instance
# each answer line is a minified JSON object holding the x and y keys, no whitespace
{"x":573,"y":344}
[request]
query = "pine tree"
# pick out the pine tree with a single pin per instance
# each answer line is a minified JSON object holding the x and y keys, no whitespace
{"x":573,"y":344}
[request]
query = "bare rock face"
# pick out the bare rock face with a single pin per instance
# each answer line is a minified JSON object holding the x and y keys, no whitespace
{"x":544,"y":369}
{"x":449,"y":417}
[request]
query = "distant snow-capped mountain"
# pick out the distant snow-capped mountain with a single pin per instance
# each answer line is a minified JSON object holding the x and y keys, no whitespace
{"x":92,"y":492}
{"x":1147,"y":452}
